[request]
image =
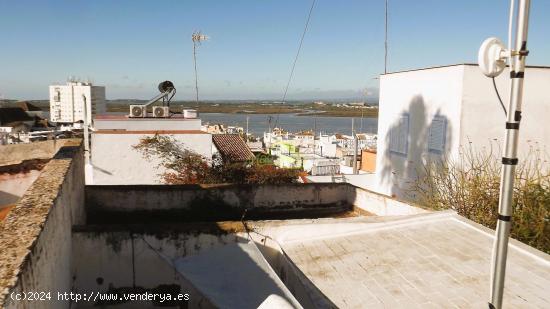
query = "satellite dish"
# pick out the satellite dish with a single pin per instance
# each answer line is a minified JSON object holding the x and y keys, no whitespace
{"x":490,"y":57}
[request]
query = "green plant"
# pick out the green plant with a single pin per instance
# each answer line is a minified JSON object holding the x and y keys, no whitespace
{"x":471,"y":186}
{"x":184,"y":166}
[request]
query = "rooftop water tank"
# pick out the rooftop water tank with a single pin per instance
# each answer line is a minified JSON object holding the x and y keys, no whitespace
{"x":190,"y":114}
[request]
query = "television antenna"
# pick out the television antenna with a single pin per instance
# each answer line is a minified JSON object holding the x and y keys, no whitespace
{"x":197,"y":37}
{"x":386,"y":38}
{"x":492,"y":58}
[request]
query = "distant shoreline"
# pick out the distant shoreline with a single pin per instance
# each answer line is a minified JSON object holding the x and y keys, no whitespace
{"x":249,"y":108}
{"x":268,"y":109}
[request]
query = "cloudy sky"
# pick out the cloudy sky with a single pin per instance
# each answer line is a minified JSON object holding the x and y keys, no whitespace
{"x":130,"y":46}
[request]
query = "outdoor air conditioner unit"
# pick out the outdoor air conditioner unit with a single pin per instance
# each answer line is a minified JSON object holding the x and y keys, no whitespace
{"x":138,"y":111}
{"x":161,"y":111}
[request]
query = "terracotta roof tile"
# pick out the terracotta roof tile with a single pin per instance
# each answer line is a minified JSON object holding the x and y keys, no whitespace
{"x":232,"y":147}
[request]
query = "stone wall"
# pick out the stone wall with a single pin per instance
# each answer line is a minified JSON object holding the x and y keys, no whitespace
{"x":36,"y":237}
{"x":17,"y":153}
{"x":149,"y":203}
{"x":207,"y":203}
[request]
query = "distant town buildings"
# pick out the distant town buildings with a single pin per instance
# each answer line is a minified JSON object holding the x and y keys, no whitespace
{"x":22,"y":122}
{"x":219,"y":128}
{"x":67,"y":102}
{"x":317,"y":155}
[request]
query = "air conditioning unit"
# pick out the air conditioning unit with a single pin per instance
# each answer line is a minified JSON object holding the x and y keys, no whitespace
{"x":138,"y":111}
{"x":161,"y":111}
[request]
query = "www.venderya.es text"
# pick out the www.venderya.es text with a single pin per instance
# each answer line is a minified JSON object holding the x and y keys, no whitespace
{"x":99,"y":297}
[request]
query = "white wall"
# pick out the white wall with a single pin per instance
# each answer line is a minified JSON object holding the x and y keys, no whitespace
{"x":326,"y":148}
{"x":111,"y":260}
{"x":382,"y":205}
{"x":467,"y":99}
{"x":115,"y":161}
{"x":109,"y":122}
{"x":364,"y":181}
{"x":482,"y":116}
{"x":421,"y":94}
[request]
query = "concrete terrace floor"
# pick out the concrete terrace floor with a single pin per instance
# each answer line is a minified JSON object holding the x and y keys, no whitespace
{"x":438,"y":260}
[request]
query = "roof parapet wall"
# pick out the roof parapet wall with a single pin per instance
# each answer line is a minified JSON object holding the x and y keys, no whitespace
{"x":36,"y":235}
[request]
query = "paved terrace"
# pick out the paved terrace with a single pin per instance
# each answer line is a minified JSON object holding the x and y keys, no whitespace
{"x":438,"y":260}
{"x":59,"y":236}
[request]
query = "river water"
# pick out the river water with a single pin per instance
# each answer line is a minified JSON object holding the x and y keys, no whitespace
{"x":259,"y":123}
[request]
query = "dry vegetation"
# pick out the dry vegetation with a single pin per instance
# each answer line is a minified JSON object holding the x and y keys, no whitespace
{"x":471,"y":187}
{"x":184,"y":166}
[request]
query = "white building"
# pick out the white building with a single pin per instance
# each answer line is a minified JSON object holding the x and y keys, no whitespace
{"x":67,"y":101}
{"x":114,"y":160}
{"x":364,"y":140}
{"x":431,"y":113}
{"x":326,"y":146}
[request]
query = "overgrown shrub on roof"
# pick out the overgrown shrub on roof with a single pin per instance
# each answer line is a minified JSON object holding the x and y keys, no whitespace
{"x":471,"y":186}
{"x":184,"y":166}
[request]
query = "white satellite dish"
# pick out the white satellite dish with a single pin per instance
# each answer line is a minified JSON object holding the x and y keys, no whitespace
{"x":491,"y":57}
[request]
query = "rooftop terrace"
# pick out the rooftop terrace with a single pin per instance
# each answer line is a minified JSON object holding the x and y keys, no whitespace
{"x":437,"y":260}
{"x":299,"y":245}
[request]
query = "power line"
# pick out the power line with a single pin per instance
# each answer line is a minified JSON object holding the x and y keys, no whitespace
{"x":299,"y":49}
{"x":297,"y":54}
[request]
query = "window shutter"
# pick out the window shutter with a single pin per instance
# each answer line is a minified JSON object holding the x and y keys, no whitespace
{"x":437,"y":134}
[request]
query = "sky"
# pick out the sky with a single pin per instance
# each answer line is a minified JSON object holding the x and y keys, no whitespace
{"x":131,"y":46}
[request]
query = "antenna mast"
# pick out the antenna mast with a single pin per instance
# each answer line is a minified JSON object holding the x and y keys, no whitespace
{"x":492,"y":59}
{"x":386,"y":40}
{"x":197,"y":38}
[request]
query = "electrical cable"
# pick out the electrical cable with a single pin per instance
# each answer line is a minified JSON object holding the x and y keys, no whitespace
{"x":297,"y":54}
{"x":499,"y":99}
{"x":510,"y":24}
{"x":162,"y":256}
{"x":511,"y":64}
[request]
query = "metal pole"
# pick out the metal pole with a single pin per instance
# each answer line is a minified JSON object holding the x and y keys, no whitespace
{"x":314,"y":132}
{"x":386,"y":40}
{"x":247,"y":128}
{"x":355,"y":146}
{"x":196,"y":77}
{"x":509,"y":160}
{"x":270,"y":134}
{"x":361,"y":129}
{"x":86,"y":134}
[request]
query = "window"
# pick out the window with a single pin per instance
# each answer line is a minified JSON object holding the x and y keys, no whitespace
{"x":57,"y":96}
{"x":437,"y":134}
{"x":399,"y":135}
